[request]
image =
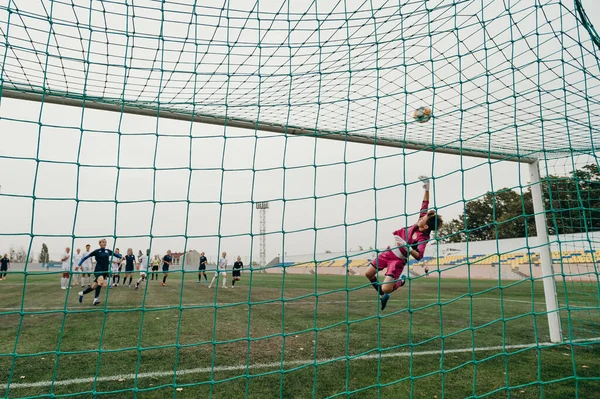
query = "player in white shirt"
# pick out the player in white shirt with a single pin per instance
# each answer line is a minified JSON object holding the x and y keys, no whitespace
{"x":66,"y":268}
{"x":222,"y":270}
{"x":86,"y":268}
{"x":116,"y":263}
{"x":76,"y":258}
{"x":144,"y":260}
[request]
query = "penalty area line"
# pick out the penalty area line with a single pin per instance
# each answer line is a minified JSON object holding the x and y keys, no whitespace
{"x":271,"y":302}
{"x":275,"y":365}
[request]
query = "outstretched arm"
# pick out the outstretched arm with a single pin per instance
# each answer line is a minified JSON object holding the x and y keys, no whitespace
{"x":425,"y":204}
{"x":93,"y":253}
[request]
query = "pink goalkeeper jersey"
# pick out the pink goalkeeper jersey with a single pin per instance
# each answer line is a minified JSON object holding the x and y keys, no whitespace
{"x":413,"y":236}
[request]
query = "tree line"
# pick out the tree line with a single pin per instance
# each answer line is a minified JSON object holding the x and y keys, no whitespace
{"x":571,"y":203}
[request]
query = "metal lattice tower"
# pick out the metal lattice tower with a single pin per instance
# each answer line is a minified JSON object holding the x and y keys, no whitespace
{"x":262,"y":207}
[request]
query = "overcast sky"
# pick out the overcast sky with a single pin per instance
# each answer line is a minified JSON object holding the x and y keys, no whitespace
{"x":203,"y":178}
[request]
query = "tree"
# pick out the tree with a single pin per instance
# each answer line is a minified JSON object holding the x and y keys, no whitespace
{"x":572,"y":205}
{"x":17,"y":255}
{"x":21,"y":255}
{"x":453,"y":231}
{"x":44,"y":255}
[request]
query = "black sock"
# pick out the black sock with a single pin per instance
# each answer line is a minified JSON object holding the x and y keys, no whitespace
{"x":164,"y":279}
{"x":232,"y":283}
{"x":88,"y":290}
{"x":206,"y":278}
{"x":199,"y":276}
{"x":377,"y":287}
{"x":118,"y":279}
{"x":130,"y":278}
{"x":98,"y":288}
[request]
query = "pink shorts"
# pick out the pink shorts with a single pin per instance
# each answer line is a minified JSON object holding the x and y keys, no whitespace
{"x":387,"y":260}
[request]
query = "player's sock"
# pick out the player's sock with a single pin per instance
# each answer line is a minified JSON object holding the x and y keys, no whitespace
{"x":233,"y":283}
{"x":205,"y":278}
{"x":97,"y":293}
{"x":130,"y":279}
{"x":164,"y":279}
{"x":211,"y":283}
{"x":224,"y":281}
{"x":118,"y":279}
{"x":376,"y":285}
{"x":87,"y":290}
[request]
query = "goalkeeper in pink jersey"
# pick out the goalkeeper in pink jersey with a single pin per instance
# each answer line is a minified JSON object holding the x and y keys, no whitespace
{"x":409,"y":241}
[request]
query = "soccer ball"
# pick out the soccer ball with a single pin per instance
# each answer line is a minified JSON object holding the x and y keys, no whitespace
{"x":422,"y":114}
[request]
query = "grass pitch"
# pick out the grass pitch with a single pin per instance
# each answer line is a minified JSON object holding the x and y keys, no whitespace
{"x":293,"y":336}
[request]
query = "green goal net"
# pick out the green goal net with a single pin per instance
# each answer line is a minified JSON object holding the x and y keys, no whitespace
{"x":291,"y":136}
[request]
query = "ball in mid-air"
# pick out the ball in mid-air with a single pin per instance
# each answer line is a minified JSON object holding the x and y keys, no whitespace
{"x":422,"y":114}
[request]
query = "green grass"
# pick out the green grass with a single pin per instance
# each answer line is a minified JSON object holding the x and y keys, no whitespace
{"x":302,"y":336}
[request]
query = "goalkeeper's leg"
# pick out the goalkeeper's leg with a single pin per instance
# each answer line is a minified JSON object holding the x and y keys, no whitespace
{"x":371,"y":275}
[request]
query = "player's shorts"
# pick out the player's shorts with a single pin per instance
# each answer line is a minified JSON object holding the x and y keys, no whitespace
{"x":115,"y":268}
{"x":154,"y":268}
{"x":86,"y":268}
{"x":104,"y":275}
{"x":165,"y":268}
{"x":220,"y":272}
{"x":387,"y":260}
{"x":66,"y":268}
{"x":202,"y":267}
{"x":129,"y":269}
{"x":236,"y":273}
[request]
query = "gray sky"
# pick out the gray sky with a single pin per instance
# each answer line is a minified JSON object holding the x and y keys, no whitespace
{"x":221,"y":170}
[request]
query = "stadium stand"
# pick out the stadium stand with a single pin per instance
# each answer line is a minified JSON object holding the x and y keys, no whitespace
{"x":513,"y":265}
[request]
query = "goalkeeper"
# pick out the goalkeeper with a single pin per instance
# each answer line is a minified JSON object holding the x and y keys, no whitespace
{"x":409,"y":241}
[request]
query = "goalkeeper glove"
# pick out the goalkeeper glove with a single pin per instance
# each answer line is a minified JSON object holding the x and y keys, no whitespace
{"x":425,"y":181}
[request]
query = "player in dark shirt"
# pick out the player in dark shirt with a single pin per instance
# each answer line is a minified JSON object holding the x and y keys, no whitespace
{"x":202,"y":269}
{"x":4,"y":266}
{"x":103,"y":259}
{"x":236,"y":273}
{"x":129,"y":266}
{"x":167,"y":261}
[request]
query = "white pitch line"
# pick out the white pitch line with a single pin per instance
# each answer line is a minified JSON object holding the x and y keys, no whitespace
{"x":273,"y":302}
{"x":292,"y":363}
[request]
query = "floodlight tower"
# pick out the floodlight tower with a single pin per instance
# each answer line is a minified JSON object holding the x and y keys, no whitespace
{"x":262,"y":207}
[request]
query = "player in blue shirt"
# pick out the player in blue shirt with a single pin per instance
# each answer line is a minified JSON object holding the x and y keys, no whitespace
{"x":129,"y":266}
{"x":167,"y":261}
{"x":103,"y":258}
{"x":4,"y":262}
{"x":202,"y":269}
